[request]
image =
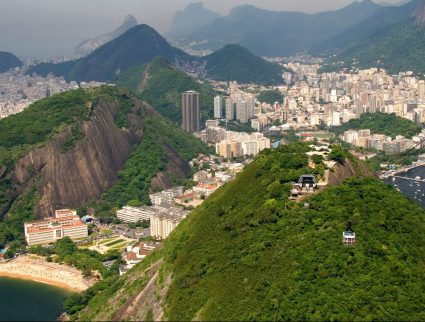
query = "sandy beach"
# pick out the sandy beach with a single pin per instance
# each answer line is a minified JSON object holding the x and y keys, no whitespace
{"x":30,"y":267}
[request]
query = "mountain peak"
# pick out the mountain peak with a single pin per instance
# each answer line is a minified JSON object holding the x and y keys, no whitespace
{"x":89,"y":45}
{"x":420,"y":15}
{"x":130,"y":20}
{"x":8,"y":61}
{"x":192,"y":18}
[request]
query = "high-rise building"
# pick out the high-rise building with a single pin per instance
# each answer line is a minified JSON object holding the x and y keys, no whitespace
{"x":230,"y":110}
{"x":191,"y":111}
{"x":251,"y":106}
{"x":242,"y":112}
{"x":421,"y":89}
{"x":218,"y":107}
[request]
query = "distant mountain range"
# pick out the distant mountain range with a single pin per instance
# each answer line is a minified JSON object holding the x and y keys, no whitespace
{"x":393,"y":38}
{"x":137,"y":46}
{"x":141,"y":44}
{"x":271,"y":33}
{"x":89,"y":45}
{"x":8,"y":61}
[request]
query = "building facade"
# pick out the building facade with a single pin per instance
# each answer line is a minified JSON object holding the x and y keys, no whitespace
{"x":191,"y":112}
{"x":133,"y":214}
{"x":65,"y":224}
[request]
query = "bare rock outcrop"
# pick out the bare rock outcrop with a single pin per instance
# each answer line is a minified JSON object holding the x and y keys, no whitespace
{"x":74,"y":177}
{"x":420,"y":16}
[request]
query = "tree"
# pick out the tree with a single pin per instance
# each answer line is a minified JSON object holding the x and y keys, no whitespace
{"x":270,"y":97}
{"x":317,"y":159}
{"x":337,"y":154}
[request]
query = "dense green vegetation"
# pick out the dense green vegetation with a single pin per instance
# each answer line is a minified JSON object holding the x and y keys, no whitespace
{"x":283,"y":261}
{"x":248,"y":253}
{"x":152,"y":155}
{"x":235,"y":63}
{"x":8,"y":61}
{"x":270,"y":97}
{"x":34,"y":127}
{"x":39,"y":123}
{"x":237,"y":127}
{"x":162,"y":86}
{"x":11,"y":226}
{"x":137,"y":46}
{"x":381,"y":123}
{"x":396,"y":48}
{"x":132,"y":77}
{"x":90,"y":262}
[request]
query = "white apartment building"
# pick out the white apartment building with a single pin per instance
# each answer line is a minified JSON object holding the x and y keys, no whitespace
{"x":132,"y":214}
{"x":230,"y":110}
{"x":166,"y":196}
{"x":218,"y":107}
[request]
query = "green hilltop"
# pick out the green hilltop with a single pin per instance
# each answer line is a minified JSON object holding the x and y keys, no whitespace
{"x":381,"y":123}
{"x":248,"y":253}
{"x":161,"y":148}
{"x":162,"y":85}
{"x":396,"y":48}
{"x":137,"y":46}
{"x":8,"y":61}
{"x":235,"y":63}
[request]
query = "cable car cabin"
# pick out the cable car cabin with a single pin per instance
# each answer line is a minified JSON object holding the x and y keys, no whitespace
{"x":349,"y":237}
{"x":307,"y":181}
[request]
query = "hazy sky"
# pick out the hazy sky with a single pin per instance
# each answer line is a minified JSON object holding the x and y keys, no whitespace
{"x":55,"y":27}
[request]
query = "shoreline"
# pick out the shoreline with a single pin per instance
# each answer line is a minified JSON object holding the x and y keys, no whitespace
{"x":40,"y":280}
{"x":38,"y":270}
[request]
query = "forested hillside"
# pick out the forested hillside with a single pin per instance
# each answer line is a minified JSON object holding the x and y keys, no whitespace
{"x":381,"y":123}
{"x":161,"y":85}
{"x":113,"y":144}
{"x":235,"y":63}
{"x":8,"y":61}
{"x":250,"y":253}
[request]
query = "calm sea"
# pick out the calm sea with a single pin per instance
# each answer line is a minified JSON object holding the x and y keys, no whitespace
{"x":29,"y":301}
{"x":410,"y":187}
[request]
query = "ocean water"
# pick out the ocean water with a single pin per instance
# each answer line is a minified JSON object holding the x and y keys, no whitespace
{"x":409,"y":186}
{"x":22,"y":300}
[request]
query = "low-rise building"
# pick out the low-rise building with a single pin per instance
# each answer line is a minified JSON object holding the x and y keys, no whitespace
{"x":134,"y":214}
{"x":65,"y":224}
{"x":166,"y":196}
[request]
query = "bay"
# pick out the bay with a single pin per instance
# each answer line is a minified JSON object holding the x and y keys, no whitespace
{"x":22,"y":300}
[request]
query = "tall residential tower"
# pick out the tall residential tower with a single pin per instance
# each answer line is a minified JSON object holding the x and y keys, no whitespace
{"x":191,"y":111}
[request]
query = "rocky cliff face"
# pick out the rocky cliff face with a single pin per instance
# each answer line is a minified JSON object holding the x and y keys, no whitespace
{"x":420,"y":16}
{"x":72,"y":178}
{"x":349,"y":169}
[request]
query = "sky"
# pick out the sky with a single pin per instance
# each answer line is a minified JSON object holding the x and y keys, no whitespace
{"x":50,"y":28}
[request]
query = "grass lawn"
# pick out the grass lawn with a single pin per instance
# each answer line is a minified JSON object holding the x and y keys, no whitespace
{"x":119,"y":246}
{"x":106,"y":241}
{"x":114,"y":242}
{"x":106,"y":231}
